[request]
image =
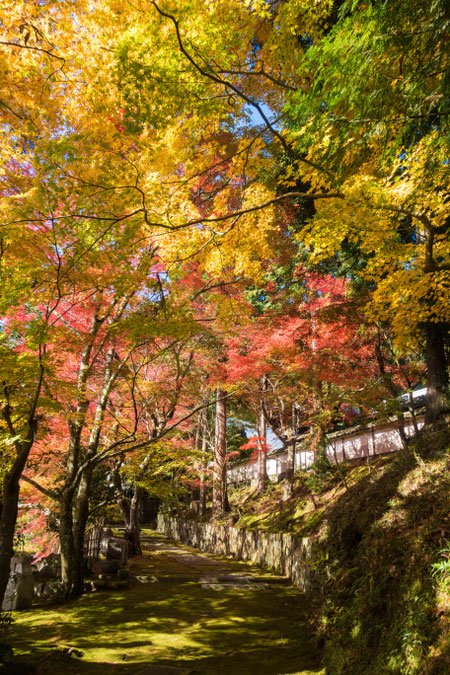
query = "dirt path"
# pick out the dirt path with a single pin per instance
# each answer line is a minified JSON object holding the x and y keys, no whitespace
{"x":168,"y":560}
{"x":185,"y":612}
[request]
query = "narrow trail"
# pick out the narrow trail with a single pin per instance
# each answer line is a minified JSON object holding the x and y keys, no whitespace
{"x":185,"y":612}
{"x":168,"y":560}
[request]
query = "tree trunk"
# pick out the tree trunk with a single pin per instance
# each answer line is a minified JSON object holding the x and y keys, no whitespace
{"x":122,"y":502}
{"x":195,"y":487}
{"x":124,"y":508}
{"x":321,"y":454}
{"x":437,"y":374}
{"x":220,"y":456}
{"x":320,"y":442}
{"x":133,"y":528}
{"x":319,"y":429}
{"x":393,"y":390}
{"x":73,"y":517}
{"x":129,"y":509}
{"x":204,"y":444}
{"x":202,"y":497}
{"x":72,"y":532}
{"x":68,"y":557}
{"x":262,"y":449}
{"x":401,"y":430}
{"x":290,"y":468}
{"x":79,"y":528}
{"x":10,"y":501}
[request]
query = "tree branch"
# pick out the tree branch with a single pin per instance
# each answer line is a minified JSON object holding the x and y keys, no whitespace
{"x":219,"y":80}
{"x":45,"y":491}
{"x":48,"y":52}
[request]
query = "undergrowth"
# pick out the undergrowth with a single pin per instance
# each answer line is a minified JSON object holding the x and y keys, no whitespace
{"x":382,"y":601}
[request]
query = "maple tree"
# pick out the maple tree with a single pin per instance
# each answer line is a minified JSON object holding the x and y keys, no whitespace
{"x":373,"y":117}
{"x":370,"y":154}
{"x":162,"y":395}
{"x":171,"y":150}
{"x":317,"y":361}
{"x":122,"y":351}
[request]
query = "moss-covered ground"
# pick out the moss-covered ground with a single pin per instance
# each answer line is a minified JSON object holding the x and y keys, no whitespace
{"x":173,"y":625}
{"x":381,"y":603}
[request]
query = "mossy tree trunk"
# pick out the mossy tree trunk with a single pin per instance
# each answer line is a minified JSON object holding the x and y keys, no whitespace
{"x":79,"y":527}
{"x":204,"y":428}
{"x":202,"y":491}
{"x":130,"y":509}
{"x":391,"y":387}
{"x":10,"y":487}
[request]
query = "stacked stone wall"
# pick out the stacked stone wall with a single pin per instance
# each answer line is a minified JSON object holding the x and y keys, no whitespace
{"x":283,"y":554}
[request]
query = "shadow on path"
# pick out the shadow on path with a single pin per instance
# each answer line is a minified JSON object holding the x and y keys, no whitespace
{"x":176,"y":625}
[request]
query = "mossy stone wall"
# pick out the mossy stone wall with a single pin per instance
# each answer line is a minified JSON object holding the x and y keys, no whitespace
{"x":283,"y":554}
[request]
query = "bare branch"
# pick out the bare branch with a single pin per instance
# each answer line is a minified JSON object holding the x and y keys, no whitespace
{"x":48,"y":52}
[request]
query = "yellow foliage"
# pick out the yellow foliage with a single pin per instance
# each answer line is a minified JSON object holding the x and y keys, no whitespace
{"x":410,"y":288}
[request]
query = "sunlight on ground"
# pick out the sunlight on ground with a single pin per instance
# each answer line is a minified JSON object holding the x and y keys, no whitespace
{"x":174,"y":623}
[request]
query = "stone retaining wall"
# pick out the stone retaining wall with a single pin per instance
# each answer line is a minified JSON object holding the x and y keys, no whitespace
{"x":283,"y":554}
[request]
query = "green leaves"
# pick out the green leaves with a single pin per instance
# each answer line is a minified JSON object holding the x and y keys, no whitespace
{"x":373,"y":83}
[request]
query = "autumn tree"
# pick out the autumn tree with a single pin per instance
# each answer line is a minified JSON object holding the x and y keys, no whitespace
{"x":184,"y":136}
{"x":368,"y":149}
{"x":160,"y":395}
{"x":371,"y":114}
{"x":318,"y":359}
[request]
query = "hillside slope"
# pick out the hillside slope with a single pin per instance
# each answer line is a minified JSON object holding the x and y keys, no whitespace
{"x":382,"y":568}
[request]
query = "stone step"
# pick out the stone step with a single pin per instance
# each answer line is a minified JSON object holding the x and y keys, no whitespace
{"x":240,"y":581}
{"x":235,"y":586}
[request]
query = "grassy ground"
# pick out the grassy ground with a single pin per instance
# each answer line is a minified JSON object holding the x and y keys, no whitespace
{"x":382,"y":603}
{"x":173,"y":625}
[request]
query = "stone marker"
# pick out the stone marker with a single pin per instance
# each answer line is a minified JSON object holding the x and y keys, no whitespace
{"x":114,"y":548}
{"x":20,"y":589}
